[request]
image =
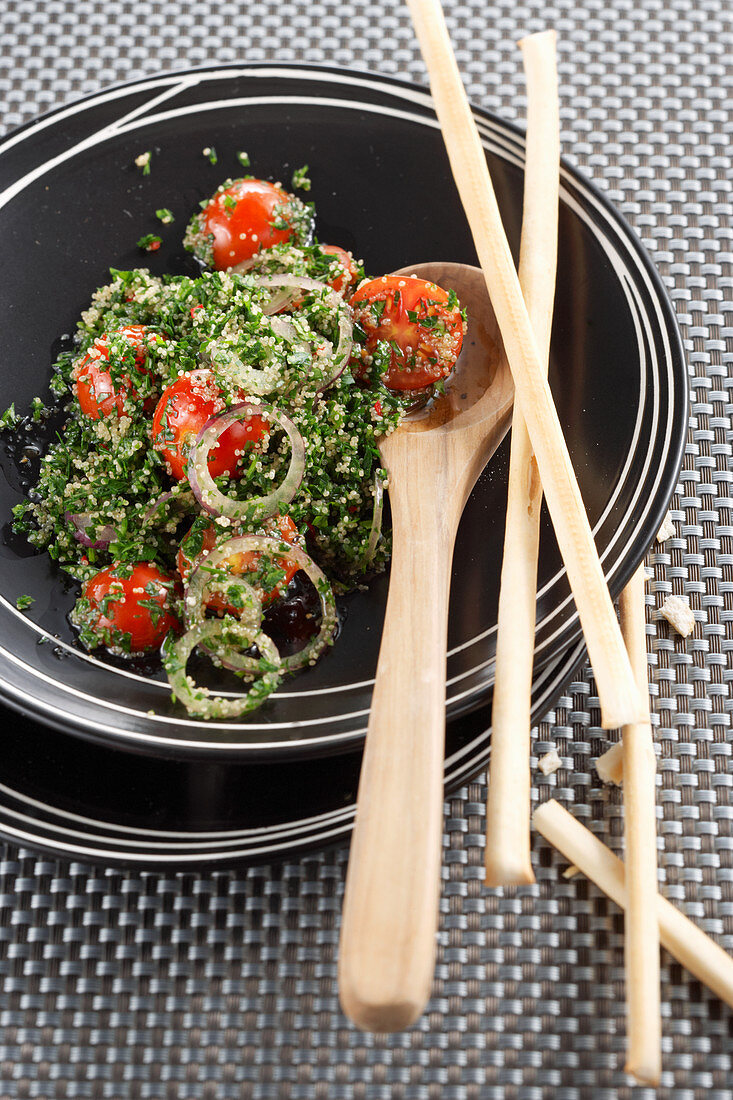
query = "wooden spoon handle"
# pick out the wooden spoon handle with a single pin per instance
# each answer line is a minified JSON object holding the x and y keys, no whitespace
{"x":390,"y":913}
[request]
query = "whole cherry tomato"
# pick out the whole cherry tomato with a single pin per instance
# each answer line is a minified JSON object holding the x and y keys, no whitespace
{"x":421,"y":322}
{"x":246,"y":217}
{"x":98,"y":393}
{"x":181,"y":413}
{"x":129,"y":606}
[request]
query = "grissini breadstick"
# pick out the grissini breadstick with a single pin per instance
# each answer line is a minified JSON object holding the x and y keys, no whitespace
{"x":508,"y":859}
{"x":619,"y":696}
{"x":709,"y":963}
{"x":641,"y":930}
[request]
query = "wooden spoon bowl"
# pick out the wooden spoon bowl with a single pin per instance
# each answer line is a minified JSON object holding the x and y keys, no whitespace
{"x":433,"y":459}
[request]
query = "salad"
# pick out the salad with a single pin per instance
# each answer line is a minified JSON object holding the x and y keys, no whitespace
{"x":217,"y":478}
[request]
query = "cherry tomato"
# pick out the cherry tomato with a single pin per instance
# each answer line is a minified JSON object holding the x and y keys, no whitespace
{"x":280,"y":526}
{"x":180,"y":415}
{"x":242,"y":220}
{"x":424,"y":327}
{"x":349,"y":271}
{"x":130,"y":606}
{"x":98,"y":394}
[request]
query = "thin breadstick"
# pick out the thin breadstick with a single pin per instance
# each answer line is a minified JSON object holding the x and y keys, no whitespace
{"x":508,"y":861}
{"x":644,"y":1027}
{"x":709,"y":963}
{"x":619,"y":696}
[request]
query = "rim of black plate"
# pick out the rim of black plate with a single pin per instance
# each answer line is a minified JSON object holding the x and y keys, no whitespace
{"x":77,"y":836}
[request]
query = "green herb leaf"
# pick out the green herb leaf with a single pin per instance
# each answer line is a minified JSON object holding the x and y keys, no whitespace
{"x":10,"y":418}
{"x":300,"y":180}
{"x":150,"y":242}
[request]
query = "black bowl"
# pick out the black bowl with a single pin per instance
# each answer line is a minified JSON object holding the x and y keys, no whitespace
{"x":72,"y":204}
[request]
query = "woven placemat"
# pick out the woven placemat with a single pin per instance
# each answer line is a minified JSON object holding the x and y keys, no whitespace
{"x":193,"y":986}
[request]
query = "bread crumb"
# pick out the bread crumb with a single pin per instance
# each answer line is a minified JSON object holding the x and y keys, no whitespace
{"x":667,"y":530}
{"x":571,"y":871}
{"x":678,"y":613}
{"x":550,"y":762}
{"x":610,"y":766}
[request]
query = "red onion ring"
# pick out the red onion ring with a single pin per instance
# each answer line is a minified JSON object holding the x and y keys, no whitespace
{"x":199,"y":700}
{"x":331,"y":297}
{"x":253,"y":380}
{"x":175,"y":500}
{"x":256,"y":508}
{"x":283,"y":283}
{"x":274,"y":548}
{"x":376,"y":528}
{"x":195,"y":597}
{"x":83,"y":520}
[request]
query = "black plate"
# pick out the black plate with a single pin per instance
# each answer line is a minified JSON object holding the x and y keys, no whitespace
{"x":99,"y":804}
{"x":72,"y":204}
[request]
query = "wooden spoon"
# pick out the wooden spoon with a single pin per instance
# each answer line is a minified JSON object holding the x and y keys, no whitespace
{"x":390,"y":916}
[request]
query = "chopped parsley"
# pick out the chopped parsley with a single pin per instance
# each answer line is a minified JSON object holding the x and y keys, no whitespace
{"x":300,"y":180}
{"x":24,"y":602}
{"x":150,"y":242}
{"x":165,"y":215}
{"x":10,"y":418}
{"x":210,"y":153}
{"x":243,"y":159}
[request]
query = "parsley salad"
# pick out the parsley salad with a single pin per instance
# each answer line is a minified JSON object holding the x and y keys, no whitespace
{"x":218,"y":478}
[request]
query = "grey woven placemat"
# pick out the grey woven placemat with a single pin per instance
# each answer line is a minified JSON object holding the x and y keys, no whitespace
{"x":134,"y":985}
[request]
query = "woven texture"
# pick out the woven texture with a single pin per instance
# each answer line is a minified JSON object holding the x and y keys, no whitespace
{"x":133,"y":985}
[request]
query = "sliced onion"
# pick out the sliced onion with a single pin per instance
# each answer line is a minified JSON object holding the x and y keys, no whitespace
{"x":256,"y":508}
{"x":332,"y":298}
{"x":201,"y":586}
{"x":179,"y":500}
{"x":199,"y":700}
{"x":274,"y":548}
{"x":343,"y":349}
{"x":376,"y":528}
{"x":255,"y":381}
{"x":244,"y":266}
{"x":285,"y":330}
{"x":288,"y":287}
{"x":82,"y":521}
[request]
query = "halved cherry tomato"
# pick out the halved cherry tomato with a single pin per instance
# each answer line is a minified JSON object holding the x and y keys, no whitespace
{"x":243,"y":219}
{"x":281,"y":526}
{"x":98,"y":394}
{"x":180,"y":415}
{"x":130,"y":606}
{"x":420,"y":322}
{"x":349,"y":273}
